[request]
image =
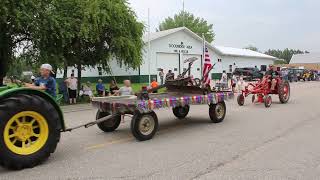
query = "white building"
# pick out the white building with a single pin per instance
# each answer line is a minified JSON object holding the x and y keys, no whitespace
{"x":170,"y":48}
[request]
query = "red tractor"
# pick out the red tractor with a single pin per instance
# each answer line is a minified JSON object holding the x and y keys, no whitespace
{"x":261,"y":91}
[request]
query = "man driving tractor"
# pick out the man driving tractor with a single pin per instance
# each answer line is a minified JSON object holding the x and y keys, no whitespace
{"x":272,"y":73}
{"x":45,"y":82}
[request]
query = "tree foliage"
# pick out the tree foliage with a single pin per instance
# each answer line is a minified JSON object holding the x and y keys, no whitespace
{"x":285,"y":54}
{"x":252,"y":48}
{"x":72,"y":32}
{"x":196,"y":24}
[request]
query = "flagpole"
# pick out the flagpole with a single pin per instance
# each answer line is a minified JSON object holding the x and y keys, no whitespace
{"x":203,"y":53}
{"x":149,"y":47}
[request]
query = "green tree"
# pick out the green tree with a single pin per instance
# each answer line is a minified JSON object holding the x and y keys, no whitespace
{"x":71,"y":32}
{"x":285,"y":54}
{"x":252,"y":48}
{"x":196,"y":24}
{"x":90,"y":33}
{"x":17,"y":26}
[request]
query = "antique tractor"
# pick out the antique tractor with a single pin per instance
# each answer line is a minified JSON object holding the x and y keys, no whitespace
{"x":30,"y":125}
{"x":261,"y":91}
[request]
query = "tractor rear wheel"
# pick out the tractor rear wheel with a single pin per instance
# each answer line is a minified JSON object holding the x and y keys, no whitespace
{"x":29,"y":131}
{"x":284,"y":92}
{"x":110,"y":125}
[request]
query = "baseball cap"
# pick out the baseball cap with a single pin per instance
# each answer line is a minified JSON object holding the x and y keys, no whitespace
{"x":47,"y":66}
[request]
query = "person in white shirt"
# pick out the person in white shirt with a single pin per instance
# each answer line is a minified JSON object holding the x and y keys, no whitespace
{"x":72,"y":83}
{"x":126,"y":90}
{"x":224,"y":80}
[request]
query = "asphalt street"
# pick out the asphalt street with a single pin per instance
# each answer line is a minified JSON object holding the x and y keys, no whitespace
{"x":252,"y":143}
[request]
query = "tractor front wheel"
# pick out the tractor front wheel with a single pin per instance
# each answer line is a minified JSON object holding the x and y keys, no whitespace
{"x":240,"y":99}
{"x":29,"y":131}
{"x":267,"y":101}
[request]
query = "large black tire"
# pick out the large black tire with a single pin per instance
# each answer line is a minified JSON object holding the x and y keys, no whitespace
{"x":110,"y":125}
{"x":181,"y":112}
{"x":144,"y":126}
{"x":217,"y":112}
{"x":284,"y":92}
{"x":240,"y":99}
{"x":22,"y":106}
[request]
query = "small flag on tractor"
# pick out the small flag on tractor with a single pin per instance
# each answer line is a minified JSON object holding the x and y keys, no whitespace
{"x":206,"y":68}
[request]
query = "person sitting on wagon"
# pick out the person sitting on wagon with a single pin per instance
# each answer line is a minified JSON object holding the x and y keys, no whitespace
{"x":45,"y":82}
{"x":126,"y":90}
{"x":272,"y":73}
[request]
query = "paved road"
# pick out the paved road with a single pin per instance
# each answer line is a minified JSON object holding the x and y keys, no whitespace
{"x":252,"y":143}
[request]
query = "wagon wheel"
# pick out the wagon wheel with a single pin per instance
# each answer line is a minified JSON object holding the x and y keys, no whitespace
{"x":267,"y":101}
{"x":284,"y":92}
{"x":110,"y":125}
{"x":29,"y":131}
{"x":181,"y":112}
{"x":240,"y":99}
{"x":217,"y":112}
{"x":144,"y":125}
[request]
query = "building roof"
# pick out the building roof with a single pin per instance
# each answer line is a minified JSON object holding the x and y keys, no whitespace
{"x":242,"y":52}
{"x":226,"y":51}
{"x":309,"y":58}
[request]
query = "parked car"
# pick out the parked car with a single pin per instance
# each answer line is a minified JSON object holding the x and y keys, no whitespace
{"x":248,"y":73}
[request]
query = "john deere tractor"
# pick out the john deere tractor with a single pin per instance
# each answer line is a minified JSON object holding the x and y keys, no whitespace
{"x":30,"y":126}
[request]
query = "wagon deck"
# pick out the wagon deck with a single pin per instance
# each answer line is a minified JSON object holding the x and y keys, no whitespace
{"x":144,"y":122}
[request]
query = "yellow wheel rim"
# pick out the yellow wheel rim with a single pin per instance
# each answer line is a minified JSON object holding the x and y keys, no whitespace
{"x":26,"y":133}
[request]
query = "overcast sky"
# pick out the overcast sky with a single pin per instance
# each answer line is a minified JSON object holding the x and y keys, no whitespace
{"x":239,"y":23}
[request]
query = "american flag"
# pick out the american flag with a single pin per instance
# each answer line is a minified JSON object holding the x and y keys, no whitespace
{"x":206,"y":67}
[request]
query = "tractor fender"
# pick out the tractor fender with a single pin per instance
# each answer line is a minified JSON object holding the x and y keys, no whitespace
{"x":14,"y":91}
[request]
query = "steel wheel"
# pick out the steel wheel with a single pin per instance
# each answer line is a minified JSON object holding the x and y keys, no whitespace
{"x":146,"y":125}
{"x":217,"y":112}
{"x":26,"y":133}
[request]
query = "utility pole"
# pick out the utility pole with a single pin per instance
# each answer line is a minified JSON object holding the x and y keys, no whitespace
{"x":149,"y":47}
{"x":183,"y":12}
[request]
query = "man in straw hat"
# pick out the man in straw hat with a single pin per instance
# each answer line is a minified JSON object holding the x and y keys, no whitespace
{"x":45,"y":82}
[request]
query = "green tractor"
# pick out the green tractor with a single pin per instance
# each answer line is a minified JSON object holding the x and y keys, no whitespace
{"x":30,"y":125}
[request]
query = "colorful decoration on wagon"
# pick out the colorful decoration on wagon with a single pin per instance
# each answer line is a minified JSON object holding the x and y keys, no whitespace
{"x":183,"y":101}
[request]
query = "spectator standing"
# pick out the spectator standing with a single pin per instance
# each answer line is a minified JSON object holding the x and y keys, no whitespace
{"x":72,"y":83}
{"x":113,"y":87}
{"x":126,"y":90}
{"x":224,"y":80}
{"x":45,"y":82}
{"x":100,"y":88}
{"x":161,"y":75}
